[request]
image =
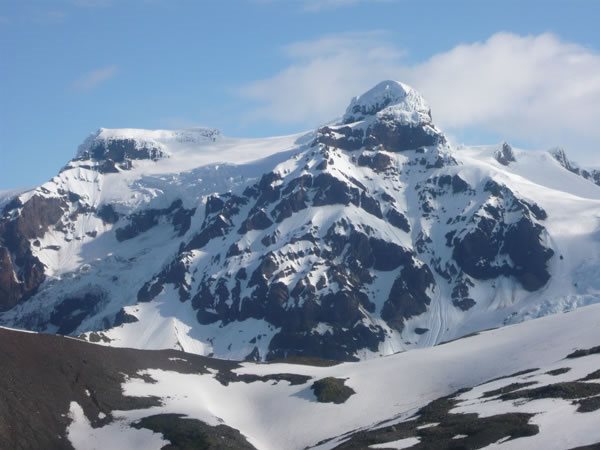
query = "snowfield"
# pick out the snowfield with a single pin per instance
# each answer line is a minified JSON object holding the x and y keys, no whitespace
{"x":278,"y":415}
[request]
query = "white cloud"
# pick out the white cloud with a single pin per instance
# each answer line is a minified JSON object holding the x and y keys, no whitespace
{"x":94,"y":78}
{"x":324,"y":73}
{"x":536,"y":89}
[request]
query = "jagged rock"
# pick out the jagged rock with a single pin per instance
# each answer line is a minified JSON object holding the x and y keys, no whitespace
{"x":378,"y":161}
{"x":398,"y":220}
{"x":114,"y":154}
{"x":505,"y":154}
{"x":408,"y":296}
{"x":332,"y":191}
{"x":560,"y":155}
{"x":257,"y":221}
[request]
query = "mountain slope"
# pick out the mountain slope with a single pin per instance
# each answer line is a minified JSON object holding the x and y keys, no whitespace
{"x":103,"y":395}
{"x":366,"y":237}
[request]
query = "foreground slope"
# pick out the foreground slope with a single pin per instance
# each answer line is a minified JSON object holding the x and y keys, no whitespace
{"x":366,"y":237}
{"x":58,"y":391}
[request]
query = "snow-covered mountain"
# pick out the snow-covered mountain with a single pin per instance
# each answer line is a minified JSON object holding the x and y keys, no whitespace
{"x":366,"y":237}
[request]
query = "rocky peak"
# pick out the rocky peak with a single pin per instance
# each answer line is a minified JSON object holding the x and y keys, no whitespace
{"x":389,"y":97}
{"x":112,"y":150}
{"x":391,"y":116}
{"x":560,"y":155}
{"x":505,"y":154}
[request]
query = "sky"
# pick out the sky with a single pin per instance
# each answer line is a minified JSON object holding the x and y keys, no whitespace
{"x":527,"y":72}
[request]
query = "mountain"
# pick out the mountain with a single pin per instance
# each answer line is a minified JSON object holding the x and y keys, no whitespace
{"x":529,"y":385}
{"x":366,"y":237}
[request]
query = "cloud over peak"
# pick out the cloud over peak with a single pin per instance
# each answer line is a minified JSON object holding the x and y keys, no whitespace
{"x":538,"y":89}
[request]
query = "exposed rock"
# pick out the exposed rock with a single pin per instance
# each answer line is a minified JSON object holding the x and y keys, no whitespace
{"x":505,"y":154}
{"x":112,"y":155}
{"x":143,"y":221}
{"x":395,"y":137}
{"x":408,"y":296}
{"x":478,"y":252}
{"x":377,"y":161}
{"x":22,"y":272}
{"x":71,"y":311}
{"x":398,"y":220}
{"x":256,"y":221}
{"x":345,"y":138}
{"x":332,"y":390}
{"x":331,"y":191}
{"x":560,"y":155}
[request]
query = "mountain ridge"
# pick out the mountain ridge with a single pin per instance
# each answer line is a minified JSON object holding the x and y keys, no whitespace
{"x":362,"y":238}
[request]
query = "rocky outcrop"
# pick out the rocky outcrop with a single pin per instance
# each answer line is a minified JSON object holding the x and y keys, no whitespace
{"x":560,"y":155}
{"x":111,"y":155}
{"x":143,"y":221}
{"x":22,"y":272}
{"x":409,"y":295}
{"x":505,"y":154}
{"x":495,"y":246}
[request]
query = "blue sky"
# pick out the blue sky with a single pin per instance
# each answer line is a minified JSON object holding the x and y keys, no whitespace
{"x":523,"y":71}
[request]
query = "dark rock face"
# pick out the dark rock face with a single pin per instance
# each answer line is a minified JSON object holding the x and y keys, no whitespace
{"x":408,"y":296}
{"x":387,"y":134}
{"x":113,"y":155}
{"x":123,"y":317}
{"x":350,"y":139}
{"x":258,"y":220}
{"x":21,"y":273}
{"x":144,"y":220}
{"x":460,"y":294}
{"x":11,"y":290}
{"x":69,"y":314}
{"x":481,"y":251}
{"x":523,"y":244}
{"x":398,"y":138}
{"x":398,"y":220}
{"x":377,"y":161}
{"x":217,"y":221}
{"x":335,"y":301}
{"x":332,"y":191}
{"x":332,"y":390}
{"x":505,"y":154}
